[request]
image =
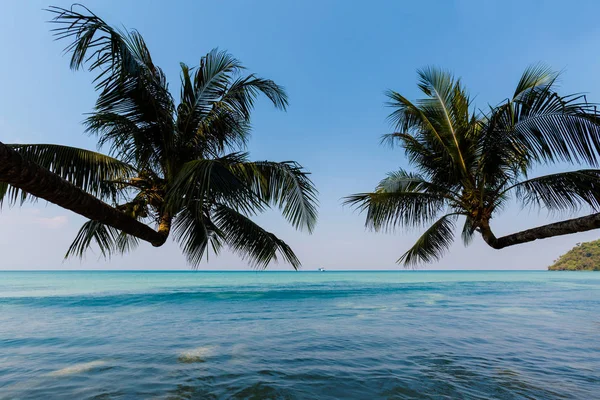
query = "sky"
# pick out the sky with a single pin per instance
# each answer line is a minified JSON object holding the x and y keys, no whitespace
{"x":335,"y":59}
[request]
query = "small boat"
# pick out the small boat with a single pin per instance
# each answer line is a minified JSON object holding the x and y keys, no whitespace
{"x":321,"y":269}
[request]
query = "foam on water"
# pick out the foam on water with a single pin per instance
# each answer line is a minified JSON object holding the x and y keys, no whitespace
{"x":77,"y":368}
{"x":198,"y":354}
{"x":525,"y":311}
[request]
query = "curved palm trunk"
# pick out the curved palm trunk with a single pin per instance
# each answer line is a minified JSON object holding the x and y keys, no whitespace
{"x":44,"y":184}
{"x":567,"y":227}
{"x":164,"y":224}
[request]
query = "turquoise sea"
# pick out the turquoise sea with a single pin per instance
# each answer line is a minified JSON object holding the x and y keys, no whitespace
{"x":300,"y":335}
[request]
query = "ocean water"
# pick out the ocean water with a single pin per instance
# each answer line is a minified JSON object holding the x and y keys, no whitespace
{"x":304,"y":335}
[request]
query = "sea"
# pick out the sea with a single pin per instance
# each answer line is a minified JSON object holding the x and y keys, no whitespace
{"x":300,"y":335}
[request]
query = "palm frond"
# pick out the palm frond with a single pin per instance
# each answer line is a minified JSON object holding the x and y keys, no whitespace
{"x":91,"y":171}
{"x":219,"y":131}
{"x":432,"y":244}
{"x":565,"y":191}
{"x":113,"y":54}
{"x":501,"y":157}
{"x":534,"y":76}
{"x":285,"y":185}
{"x":448,"y":104}
{"x":563,"y":135}
{"x":405,"y":181}
{"x":216,"y":105}
{"x":108,"y":240}
{"x":130,"y":84}
{"x":250,"y":241}
{"x":385,"y":211}
{"x":209,"y":181}
{"x":552,"y":127}
{"x":126,"y":139}
{"x":13,"y":195}
{"x":500,"y":153}
{"x":426,"y":157}
{"x":4,"y":188}
{"x":468,"y":231}
{"x":207,"y":85}
{"x":126,"y":243}
{"x":408,"y":117}
{"x":243,"y":92}
{"x":194,"y":231}
{"x":428,"y":142}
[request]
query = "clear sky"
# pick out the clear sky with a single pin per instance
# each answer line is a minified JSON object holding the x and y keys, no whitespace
{"x":336,"y":59}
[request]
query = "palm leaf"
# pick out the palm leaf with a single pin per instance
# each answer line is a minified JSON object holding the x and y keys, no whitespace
{"x":250,"y":241}
{"x":404,"y":181}
{"x":126,"y":243}
{"x":210,"y":181}
{"x":425,"y":140}
{"x":549,"y":126}
{"x":450,"y":104}
{"x":200,"y":92}
{"x":468,"y":231}
{"x":432,"y":244}
{"x":91,"y":171}
{"x":216,"y":105}
{"x":537,"y":75}
{"x":565,"y":191}
{"x":91,"y":232}
{"x":130,"y":84}
{"x":285,"y":185}
{"x":408,"y":117}
{"x":385,"y":211}
{"x":195,"y":231}
{"x":434,"y":164}
{"x":108,"y":240}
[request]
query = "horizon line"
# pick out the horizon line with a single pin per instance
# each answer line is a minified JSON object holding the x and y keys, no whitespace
{"x":258,"y":271}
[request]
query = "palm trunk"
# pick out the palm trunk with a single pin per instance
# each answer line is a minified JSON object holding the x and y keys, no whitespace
{"x":164,"y":224}
{"x":567,"y":227}
{"x":44,"y":184}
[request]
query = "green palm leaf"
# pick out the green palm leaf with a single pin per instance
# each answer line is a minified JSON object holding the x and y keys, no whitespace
{"x":549,"y":126}
{"x":449,"y":105}
{"x":405,"y":181}
{"x":93,"y":172}
{"x":534,"y":76}
{"x":216,"y":102}
{"x":432,"y":244}
{"x":130,"y":85}
{"x":200,"y":92}
{"x":210,"y":181}
{"x":468,"y":231}
{"x":565,"y":191}
{"x":250,"y":241}
{"x":285,"y":185}
{"x":195,"y":231}
{"x":385,"y":211}
{"x":108,"y":240}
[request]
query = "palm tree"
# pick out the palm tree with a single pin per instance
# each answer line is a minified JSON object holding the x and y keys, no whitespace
{"x":468,"y":163}
{"x":180,"y":167}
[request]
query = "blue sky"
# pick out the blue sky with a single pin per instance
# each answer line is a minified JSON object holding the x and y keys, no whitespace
{"x":336,"y":59}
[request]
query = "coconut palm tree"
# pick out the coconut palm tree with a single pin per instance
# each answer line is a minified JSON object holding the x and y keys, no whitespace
{"x":468,"y":163}
{"x":181,"y":167}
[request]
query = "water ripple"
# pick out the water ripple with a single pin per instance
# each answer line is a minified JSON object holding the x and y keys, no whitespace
{"x":298,"y":336}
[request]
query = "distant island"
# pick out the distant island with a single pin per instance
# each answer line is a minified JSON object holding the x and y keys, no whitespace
{"x":582,"y":257}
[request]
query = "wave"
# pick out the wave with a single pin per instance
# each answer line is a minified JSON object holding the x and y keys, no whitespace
{"x":210,"y":294}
